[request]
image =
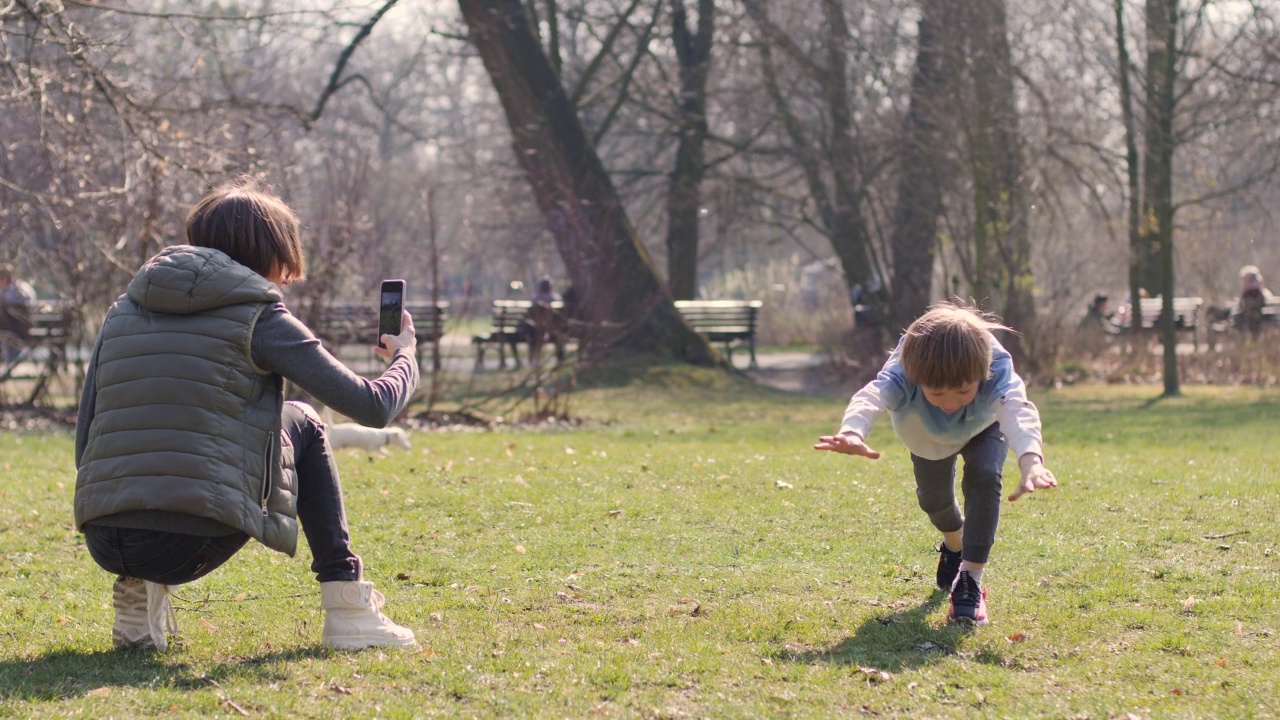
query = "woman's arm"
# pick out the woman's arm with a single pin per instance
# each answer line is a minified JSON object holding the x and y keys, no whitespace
{"x":283,"y":345}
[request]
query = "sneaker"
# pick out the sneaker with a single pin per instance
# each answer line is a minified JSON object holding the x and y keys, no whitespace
{"x":354,"y":620}
{"x":968,"y":601}
{"x":948,"y":567}
{"x":143,"y":614}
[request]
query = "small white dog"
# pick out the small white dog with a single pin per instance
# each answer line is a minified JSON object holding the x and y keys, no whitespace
{"x":344,"y":435}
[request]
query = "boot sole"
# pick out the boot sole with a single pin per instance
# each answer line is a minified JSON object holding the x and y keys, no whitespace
{"x":368,"y":642}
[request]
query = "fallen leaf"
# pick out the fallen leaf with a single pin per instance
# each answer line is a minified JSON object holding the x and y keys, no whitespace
{"x":539,"y":626}
{"x":341,"y":690}
{"x":208,"y":625}
{"x":1176,"y":691}
{"x":241,"y":596}
{"x":613,"y":513}
{"x":435,"y":617}
{"x":875,"y":675}
{"x":1018,"y":637}
{"x":570,"y":451}
{"x":62,"y":620}
{"x":99,"y":692}
{"x":782,"y":485}
{"x":766,"y":661}
{"x":520,"y":549}
{"x":629,"y":641}
{"x":1222,"y":662}
{"x":979,"y":697}
{"x":510,"y":449}
{"x":1239,"y":629}
{"x":1189,"y":603}
{"x":520,"y":481}
{"x":402,"y":576}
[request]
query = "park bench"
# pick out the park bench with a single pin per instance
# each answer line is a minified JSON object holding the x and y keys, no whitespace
{"x":1186,"y":316}
{"x":43,"y":353}
{"x":516,"y":321}
{"x":732,"y":322}
{"x":340,"y":324}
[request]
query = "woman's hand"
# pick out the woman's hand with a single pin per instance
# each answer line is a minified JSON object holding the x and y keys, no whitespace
{"x":406,"y":340}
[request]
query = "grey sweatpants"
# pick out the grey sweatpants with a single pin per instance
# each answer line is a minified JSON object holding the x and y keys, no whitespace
{"x":935,"y":489}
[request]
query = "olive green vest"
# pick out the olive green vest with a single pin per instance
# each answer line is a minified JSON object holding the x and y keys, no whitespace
{"x":184,"y":422}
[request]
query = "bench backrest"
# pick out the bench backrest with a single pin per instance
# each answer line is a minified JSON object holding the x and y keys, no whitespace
{"x":352,"y":323}
{"x":1186,"y":311}
{"x":722,"y":316}
{"x":50,"y":321}
{"x":507,"y":314}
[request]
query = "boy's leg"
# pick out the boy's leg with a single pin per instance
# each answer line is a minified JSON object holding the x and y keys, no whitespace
{"x":935,"y":491}
{"x":981,"y":484}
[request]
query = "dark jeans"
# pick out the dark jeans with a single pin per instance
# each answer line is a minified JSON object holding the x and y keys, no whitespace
{"x":983,"y":466}
{"x":174,"y":558}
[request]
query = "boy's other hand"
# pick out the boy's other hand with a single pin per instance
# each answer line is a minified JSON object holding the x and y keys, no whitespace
{"x":406,"y":340}
{"x":1035,"y":476}
{"x":845,"y":444}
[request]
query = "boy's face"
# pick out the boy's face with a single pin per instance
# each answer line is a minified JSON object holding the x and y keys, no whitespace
{"x":951,"y":399}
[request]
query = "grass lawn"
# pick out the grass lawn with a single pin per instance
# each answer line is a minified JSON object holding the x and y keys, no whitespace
{"x":685,"y":554}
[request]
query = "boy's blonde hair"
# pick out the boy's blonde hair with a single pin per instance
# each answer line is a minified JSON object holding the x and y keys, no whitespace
{"x":948,"y":347}
{"x":257,"y":229}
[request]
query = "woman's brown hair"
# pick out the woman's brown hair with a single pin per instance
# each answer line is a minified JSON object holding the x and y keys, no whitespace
{"x":246,"y":221}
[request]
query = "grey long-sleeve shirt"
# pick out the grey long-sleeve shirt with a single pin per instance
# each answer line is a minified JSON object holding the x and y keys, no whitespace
{"x":283,"y":345}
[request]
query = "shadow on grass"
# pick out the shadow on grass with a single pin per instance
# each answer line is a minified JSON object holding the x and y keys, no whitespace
{"x":66,"y":674}
{"x":898,"y":641}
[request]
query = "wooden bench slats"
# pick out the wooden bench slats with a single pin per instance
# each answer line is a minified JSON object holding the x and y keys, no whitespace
{"x":730,"y":322}
{"x":357,"y":323}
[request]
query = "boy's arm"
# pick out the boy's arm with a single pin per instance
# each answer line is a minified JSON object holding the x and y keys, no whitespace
{"x":1019,"y":419}
{"x":886,"y":392}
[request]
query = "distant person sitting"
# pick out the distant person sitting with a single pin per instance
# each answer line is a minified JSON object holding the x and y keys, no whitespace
{"x":1253,"y":299}
{"x":17,"y":300}
{"x":543,"y":322}
{"x":1099,"y":316}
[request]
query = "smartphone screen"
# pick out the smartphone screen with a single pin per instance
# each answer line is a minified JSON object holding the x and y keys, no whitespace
{"x":390,"y":308}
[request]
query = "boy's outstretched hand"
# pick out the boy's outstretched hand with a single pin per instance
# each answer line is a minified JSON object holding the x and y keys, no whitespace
{"x":846,"y":444}
{"x":1035,"y":476}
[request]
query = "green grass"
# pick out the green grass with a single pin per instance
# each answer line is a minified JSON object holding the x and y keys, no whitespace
{"x":686,"y":554}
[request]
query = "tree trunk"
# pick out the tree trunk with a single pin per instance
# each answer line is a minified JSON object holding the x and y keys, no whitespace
{"x":1162,"y":39}
{"x":849,"y":237}
{"x":923,"y":171}
{"x":684,"y":191}
{"x":1133,"y":171}
{"x":612,"y":274}
{"x":1004,"y":249}
{"x":1160,"y":56}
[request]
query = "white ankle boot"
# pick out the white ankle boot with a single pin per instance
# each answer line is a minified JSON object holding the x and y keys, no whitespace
{"x":354,"y":620}
{"x":143,"y":614}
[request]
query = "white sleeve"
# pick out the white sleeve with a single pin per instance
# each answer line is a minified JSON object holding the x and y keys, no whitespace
{"x":886,"y":392}
{"x":1019,"y":419}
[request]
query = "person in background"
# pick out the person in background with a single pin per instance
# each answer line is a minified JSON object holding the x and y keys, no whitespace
{"x":185,"y":447}
{"x":17,"y":301}
{"x":1099,"y":316}
{"x":1253,"y":298}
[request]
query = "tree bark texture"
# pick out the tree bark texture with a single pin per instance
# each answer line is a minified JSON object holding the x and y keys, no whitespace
{"x":923,"y":171}
{"x":618,"y":289}
{"x":1162,"y":44}
{"x":1003,"y":249}
{"x":684,"y":190}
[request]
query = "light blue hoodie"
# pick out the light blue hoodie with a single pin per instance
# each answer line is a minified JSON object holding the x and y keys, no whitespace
{"x":934,"y":434}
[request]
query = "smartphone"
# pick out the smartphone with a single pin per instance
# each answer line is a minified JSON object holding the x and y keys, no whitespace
{"x":390,"y":308}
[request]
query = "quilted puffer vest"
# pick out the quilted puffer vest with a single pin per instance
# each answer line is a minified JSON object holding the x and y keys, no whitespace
{"x":184,"y":421}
